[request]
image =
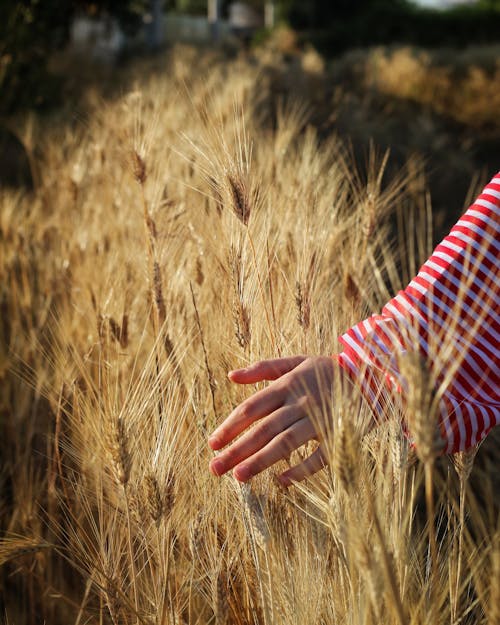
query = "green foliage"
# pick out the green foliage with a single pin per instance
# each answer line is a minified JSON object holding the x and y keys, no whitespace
{"x":191,"y":6}
{"x":489,"y":4}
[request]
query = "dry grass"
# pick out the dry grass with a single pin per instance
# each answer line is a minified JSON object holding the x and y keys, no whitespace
{"x":214,"y":242}
{"x":468,"y":94}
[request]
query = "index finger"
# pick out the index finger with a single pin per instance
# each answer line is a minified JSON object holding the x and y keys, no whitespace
{"x":265,"y":370}
{"x":255,"y":407}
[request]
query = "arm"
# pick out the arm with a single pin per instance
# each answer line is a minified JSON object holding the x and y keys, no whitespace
{"x":449,"y":313}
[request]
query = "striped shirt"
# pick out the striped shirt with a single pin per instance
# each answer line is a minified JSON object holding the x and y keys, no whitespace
{"x":450,"y":314}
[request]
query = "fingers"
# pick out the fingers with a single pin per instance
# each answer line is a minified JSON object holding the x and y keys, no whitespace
{"x":265,"y":370}
{"x":257,"y":438}
{"x":259,"y":405}
{"x":280,"y":447}
{"x":287,"y":409}
{"x":314,"y":463}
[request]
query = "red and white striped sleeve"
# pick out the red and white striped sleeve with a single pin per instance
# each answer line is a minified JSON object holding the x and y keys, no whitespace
{"x":450,"y":313}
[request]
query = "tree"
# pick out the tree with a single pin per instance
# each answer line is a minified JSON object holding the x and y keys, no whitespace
{"x":30,"y":30}
{"x":322,"y":13}
{"x":489,"y":4}
{"x":25,"y":40}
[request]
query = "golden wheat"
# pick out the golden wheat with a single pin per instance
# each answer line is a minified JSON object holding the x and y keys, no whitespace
{"x":174,"y":236}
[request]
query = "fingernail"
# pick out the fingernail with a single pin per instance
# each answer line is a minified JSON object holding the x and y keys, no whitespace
{"x":242,"y":473}
{"x":242,"y":370}
{"x":213,"y":439}
{"x":284,"y":481}
{"x":216,"y":467}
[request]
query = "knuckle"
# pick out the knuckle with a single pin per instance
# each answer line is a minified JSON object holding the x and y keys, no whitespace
{"x":228,"y":456}
{"x":264,"y":430}
{"x":288,"y":440}
{"x":296,"y":474}
{"x":303,"y":402}
{"x":244,"y":411}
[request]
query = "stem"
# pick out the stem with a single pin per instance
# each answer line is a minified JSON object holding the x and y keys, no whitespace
{"x":460,"y":546}
{"x":157,"y":321}
{"x":88,"y":586}
{"x":211,"y":383}
{"x":271,"y":333}
{"x":271,"y":295}
{"x":429,"y":501}
{"x":164,"y":580}
{"x":402,"y":619}
{"x":149,"y":238}
{"x":131,"y":554}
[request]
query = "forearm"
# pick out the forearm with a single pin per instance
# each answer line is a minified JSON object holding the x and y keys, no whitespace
{"x":449,"y":314}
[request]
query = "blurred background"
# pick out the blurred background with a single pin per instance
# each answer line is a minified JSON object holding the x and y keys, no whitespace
{"x":418,"y":77}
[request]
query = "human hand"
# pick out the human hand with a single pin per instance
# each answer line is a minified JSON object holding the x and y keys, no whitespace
{"x":292,"y":410}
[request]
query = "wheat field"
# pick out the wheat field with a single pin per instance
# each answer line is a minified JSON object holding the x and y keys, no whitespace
{"x":181,"y":230}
